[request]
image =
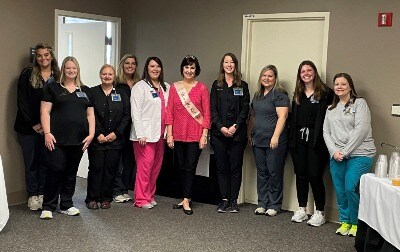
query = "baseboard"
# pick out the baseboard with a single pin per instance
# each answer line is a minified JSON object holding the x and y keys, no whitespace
{"x":16,"y":198}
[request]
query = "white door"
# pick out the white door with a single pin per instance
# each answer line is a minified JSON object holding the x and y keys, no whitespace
{"x":86,"y":42}
{"x":283,"y":40}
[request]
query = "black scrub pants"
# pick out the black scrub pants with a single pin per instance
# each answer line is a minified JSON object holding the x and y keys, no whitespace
{"x":309,"y":164}
{"x":103,"y":165}
{"x":63,"y":163}
{"x":33,"y":151}
{"x":229,"y":162}
{"x":126,"y":173}
{"x":187,"y":155}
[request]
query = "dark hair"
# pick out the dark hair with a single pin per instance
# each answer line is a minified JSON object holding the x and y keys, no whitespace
{"x":353,"y":93}
{"x":188,"y":60}
{"x":36,"y":76}
{"x":146,"y":76}
{"x":236,"y":73}
{"x":319,"y":86}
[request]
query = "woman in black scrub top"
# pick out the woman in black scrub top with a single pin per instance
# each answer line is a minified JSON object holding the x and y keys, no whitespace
{"x":309,"y":153}
{"x":127,"y":76}
{"x":45,"y":70}
{"x":229,"y":111}
{"x":68,"y":122}
{"x":112,"y":112}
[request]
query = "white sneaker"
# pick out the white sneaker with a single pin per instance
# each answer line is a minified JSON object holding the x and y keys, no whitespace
{"x":147,"y":206}
{"x":40,"y":197}
{"x":153,"y":203}
{"x":72,"y":211}
{"x":34,"y":204}
{"x":127,"y":197}
{"x":120,"y":199}
{"x":260,"y":211}
{"x":46,"y":215}
{"x":317,"y":219}
{"x":300,"y":215}
{"x":271,"y":212}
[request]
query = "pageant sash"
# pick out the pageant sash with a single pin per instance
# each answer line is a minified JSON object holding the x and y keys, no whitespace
{"x":188,"y":104}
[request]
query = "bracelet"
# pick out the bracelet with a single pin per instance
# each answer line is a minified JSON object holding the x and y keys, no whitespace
{"x":205,"y":136}
{"x":170,"y":136}
{"x":47,"y":133}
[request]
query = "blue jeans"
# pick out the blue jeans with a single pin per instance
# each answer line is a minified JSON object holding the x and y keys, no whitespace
{"x":346,"y":176}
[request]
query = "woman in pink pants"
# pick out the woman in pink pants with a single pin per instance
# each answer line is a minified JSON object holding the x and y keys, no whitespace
{"x":149,"y":99}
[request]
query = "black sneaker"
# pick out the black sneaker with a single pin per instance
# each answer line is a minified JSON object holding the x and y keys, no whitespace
{"x":223,"y":206}
{"x":234,"y":207}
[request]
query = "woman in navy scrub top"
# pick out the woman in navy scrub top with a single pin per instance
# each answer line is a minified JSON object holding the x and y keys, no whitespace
{"x":68,"y":122}
{"x":112,"y":112}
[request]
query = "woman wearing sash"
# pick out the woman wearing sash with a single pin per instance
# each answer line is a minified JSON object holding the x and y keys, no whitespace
{"x":188,"y":121}
{"x":229,"y":110}
{"x":149,"y":98}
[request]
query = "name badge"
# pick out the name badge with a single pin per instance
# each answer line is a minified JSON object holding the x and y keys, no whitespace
{"x":313,"y":100}
{"x":154,"y":94}
{"x":238,"y":91}
{"x":81,"y":94}
{"x":116,"y":97}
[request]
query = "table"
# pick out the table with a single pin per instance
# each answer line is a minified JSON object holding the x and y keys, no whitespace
{"x":380,"y":207}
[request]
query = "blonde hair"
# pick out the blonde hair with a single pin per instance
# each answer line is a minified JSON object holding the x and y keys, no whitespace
{"x":121,"y":77}
{"x":36,"y":75}
{"x":277,"y":86}
{"x":107,"y":66}
{"x":78,"y":81}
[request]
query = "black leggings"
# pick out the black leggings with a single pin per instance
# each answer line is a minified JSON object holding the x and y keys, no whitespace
{"x":309,"y":165}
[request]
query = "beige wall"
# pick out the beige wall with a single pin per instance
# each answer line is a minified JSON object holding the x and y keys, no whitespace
{"x":24,"y":24}
{"x":207,"y":29}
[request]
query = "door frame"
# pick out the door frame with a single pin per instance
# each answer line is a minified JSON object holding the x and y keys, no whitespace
{"x":82,"y":15}
{"x":248,"y":21}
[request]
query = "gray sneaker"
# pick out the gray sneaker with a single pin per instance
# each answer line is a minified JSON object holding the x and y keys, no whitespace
{"x":223,"y":206}
{"x":234,"y":207}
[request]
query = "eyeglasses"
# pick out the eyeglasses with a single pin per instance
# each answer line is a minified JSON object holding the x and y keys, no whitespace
{"x":190,"y":57}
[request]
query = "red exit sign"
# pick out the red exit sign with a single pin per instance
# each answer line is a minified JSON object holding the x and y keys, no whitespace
{"x":385,"y":19}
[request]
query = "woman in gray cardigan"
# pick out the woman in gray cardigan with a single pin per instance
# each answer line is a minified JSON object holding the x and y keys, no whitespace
{"x":348,"y":136}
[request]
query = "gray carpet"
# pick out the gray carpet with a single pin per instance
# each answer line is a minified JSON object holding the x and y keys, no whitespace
{"x":125,"y":228}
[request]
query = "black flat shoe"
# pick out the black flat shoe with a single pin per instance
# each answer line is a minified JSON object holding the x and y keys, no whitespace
{"x":179,"y":206}
{"x":188,"y":212}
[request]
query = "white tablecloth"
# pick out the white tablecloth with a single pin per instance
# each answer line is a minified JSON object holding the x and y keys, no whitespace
{"x":380,"y":207}
{"x":4,"y":213}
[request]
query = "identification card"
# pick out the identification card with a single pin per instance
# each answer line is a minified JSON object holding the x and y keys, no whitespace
{"x":116,"y":97}
{"x":238,"y":91}
{"x":154,"y":94}
{"x":313,"y":100}
{"x":81,"y":94}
